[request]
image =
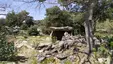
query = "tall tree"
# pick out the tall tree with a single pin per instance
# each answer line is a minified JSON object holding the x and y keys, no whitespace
{"x":94,"y":10}
{"x":21,"y":16}
{"x":88,"y":6}
{"x":16,"y":19}
{"x":11,"y":19}
{"x":56,"y":17}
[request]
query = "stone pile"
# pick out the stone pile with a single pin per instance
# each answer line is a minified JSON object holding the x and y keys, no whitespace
{"x":58,"y":49}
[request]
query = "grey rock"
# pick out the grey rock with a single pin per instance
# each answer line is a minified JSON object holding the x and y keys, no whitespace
{"x":61,"y":43}
{"x":49,"y":47}
{"x":40,"y":58}
{"x":47,"y":53}
{"x":61,"y":56}
{"x":43,"y":45}
{"x":72,"y":58}
{"x":70,"y":42}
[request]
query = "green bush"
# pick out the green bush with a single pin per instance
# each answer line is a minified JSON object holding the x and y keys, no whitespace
{"x":33,"y":31}
{"x":7,"y":49}
{"x":24,"y":27}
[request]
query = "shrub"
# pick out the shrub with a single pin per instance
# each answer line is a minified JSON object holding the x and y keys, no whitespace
{"x":33,"y":31}
{"x":7,"y":49}
{"x":24,"y":27}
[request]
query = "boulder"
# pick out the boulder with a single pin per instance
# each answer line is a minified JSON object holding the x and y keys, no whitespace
{"x":61,"y":56}
{"x":40,"y":58}
{"x":43,"y":45}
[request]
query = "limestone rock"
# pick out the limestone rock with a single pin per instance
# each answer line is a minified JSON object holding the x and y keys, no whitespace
{"x":43,"y":45}
{"x":102,"y":60}
{"x":40,"y":58}
{"x":61,"y":56}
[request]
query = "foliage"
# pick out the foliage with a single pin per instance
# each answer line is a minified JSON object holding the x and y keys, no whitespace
{"x":43,"y":27}
{"x":2,"y":22}
{"x":16,"y":19}
{"x":7,"y":49}
{"x":103,"y":10}
{"x":78,"y":25}
{"x":11,"y":19}
{"x":56,"y":17}
{"x":29,"y":21}
{"x":110,"y":42}
{"x":32,"y":31}
{"x":103,"y":52}
{"x":105,"y":26}
{"x":24,"y":27}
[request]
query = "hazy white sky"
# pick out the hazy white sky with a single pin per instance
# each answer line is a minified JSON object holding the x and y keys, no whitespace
{"x":36,"y":12}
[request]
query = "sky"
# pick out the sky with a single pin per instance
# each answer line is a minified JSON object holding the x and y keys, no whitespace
{"x":35,"y":9}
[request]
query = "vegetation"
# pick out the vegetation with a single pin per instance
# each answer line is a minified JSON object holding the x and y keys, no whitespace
{"x":89,"y":18}
{"x":17,"y":19}
{"x":7,"y":49}
{"x":33,"y":31}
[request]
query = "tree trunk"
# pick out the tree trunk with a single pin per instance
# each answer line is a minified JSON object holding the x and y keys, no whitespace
{"x":88,"y":24}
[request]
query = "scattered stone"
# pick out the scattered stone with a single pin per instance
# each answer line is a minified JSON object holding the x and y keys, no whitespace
{"x":70,"y":42}
{"x":40,"y":50}
{"x":54,"y":51}
{"x":72,"y":58}
{"x":23,"y":44}
{"x":57,"y":49}
{"x":61,"y":56}
{"x":49,"y":47}
{"x":40,"y":58}
{"x":61,"y":43}
{"x":102,"y":60}
{"x":43,"y":45}
{"x":96,"y":41}
{"x":47,"y":53}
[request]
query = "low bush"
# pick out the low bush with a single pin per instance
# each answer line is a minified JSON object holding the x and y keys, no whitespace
{"x":7,"y":49}
{"x":24,"y":27}
{"x":32,"y":31}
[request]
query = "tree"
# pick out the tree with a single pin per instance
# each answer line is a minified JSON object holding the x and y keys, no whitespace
{"x":16,"y":19}
{"x":88,"y":6}
{"x":78,"y":23}
{"x":29,"y":21}
{"x":56,"y":17}
{"x":11,"y":19}
{"x":94,"y":10}
{"x":2,"y":22}
{"x":21,"y":16}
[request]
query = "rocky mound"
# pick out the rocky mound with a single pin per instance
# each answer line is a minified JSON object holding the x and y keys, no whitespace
{"x":67,"y":48}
